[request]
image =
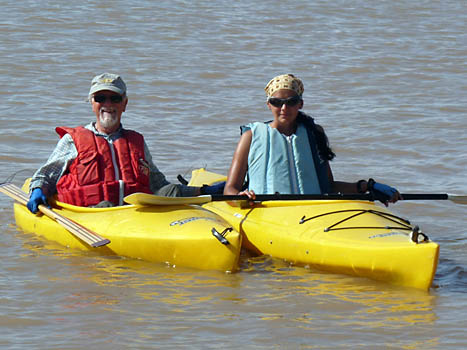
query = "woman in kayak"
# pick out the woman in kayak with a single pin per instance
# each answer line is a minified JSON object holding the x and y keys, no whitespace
{"x":290,"y":154}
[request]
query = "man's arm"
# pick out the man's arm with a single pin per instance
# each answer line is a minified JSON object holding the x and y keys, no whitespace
{"x":157,"y":180}
{"x":47,"y":176}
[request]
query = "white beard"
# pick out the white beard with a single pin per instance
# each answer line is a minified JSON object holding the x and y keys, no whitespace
{"x":108,"y":118}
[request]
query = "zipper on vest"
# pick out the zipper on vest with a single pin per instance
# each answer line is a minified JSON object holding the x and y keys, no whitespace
{"x":121,"y":185}
{"x":293,"y":170}
{"x":114,"y":160}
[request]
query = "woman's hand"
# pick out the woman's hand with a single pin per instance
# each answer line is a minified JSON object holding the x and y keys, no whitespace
{"x":251,"y":194}
{"x":384,"y":193}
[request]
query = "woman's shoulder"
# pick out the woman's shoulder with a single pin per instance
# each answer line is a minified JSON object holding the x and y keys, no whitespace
{"x":252,"y":126}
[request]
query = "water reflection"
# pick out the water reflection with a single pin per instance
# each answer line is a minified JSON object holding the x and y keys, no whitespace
{"x":261,"y":282}
{"x":265,"y":289}
{"x":291,"y":302}
{"x":363,"y":299}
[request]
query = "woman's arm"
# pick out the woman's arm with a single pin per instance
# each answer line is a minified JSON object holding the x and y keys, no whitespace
{"x":390,"y":194}
{"x":239,"y":165}
{"x":346,"y":187}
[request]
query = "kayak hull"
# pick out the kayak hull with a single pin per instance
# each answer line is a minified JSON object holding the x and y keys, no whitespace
{"x":179,"y":235}
{"x":350,"y":237}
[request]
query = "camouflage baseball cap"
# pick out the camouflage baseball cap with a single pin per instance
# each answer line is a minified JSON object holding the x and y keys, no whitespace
{"x":108,"y":81}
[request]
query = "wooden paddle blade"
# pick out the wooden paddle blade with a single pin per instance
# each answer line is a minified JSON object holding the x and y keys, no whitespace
{"x":458,"y":199}
{"x":145,"y":199}
{"x":89,"y":237}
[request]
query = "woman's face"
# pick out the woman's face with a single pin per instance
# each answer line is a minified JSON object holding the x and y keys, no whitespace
{"x":284,"y":105}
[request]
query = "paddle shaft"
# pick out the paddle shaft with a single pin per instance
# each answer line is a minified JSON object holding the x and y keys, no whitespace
{"x":89,"y":237}
{"x":145,"y":199}
{"x":335,"y":196}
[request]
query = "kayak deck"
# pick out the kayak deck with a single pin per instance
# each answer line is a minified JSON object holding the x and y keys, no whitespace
{"x":350,"y":237}
{"x":180,"y":235}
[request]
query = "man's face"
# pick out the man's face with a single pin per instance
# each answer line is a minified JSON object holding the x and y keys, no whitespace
{"x":108,"y":107}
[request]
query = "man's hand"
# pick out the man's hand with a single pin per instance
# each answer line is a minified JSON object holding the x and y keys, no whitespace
{"x":37,"y":197}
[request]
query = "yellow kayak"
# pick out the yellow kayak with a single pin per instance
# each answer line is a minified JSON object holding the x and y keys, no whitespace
{"x":351,"y":237}
{"x":179,"y":235}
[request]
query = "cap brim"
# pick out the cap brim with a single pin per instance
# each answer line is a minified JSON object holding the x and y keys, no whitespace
{"x":95,"y":89}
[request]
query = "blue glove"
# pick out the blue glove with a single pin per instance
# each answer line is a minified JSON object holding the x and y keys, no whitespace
{"x":37,"y":197}
{"x":381,"y":192}
{"x":214,"y":189}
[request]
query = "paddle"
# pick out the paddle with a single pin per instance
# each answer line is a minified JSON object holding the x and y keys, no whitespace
{"x":144,"y":199}
{"x":89,"y":237}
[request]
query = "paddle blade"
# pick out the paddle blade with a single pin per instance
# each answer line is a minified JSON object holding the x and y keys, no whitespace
{"x":145,"y":199}
{"x":458,"y":199}
{"x":89,"y":237}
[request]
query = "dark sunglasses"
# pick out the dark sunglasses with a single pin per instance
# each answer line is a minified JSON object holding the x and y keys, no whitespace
{"x":112,"y":98}
{"x":279,"y":102}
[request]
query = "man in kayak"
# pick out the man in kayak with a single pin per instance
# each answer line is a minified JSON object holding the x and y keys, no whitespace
{"x":290,"y":154}
{"x":101,"y":163}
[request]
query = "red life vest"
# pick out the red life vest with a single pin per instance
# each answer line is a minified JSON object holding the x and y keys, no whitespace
{"x":91,"y":179}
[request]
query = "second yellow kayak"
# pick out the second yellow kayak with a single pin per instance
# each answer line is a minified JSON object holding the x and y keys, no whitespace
{"x":352,"y":237}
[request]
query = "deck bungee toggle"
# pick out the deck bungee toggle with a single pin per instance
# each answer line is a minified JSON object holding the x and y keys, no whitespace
{"x":416,"y":233}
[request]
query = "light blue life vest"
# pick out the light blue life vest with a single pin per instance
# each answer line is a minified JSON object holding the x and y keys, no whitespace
{"x":284,"y":164}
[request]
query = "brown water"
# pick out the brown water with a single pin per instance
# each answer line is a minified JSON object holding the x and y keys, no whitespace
{"x":387,"y":80}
